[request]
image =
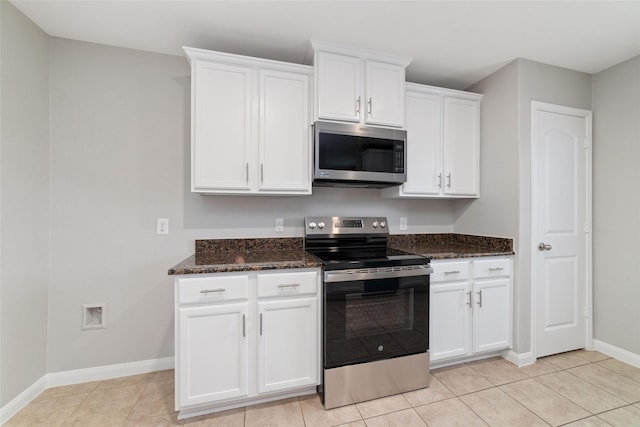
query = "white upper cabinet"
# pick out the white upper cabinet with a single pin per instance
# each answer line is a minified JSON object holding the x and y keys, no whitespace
{"x":461,"y":146}
{"x":221,"y":126}
{"x":339,"y":82}
{"x":384,"y":94}
{"x":443,"y":144}
{"x":359,"y":86}
{"x":251,"y":122}
{"x":284,"y":132}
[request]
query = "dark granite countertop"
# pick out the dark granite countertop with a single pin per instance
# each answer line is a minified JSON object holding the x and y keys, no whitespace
{"x":451,"y":245}
{"x":229,"y":255}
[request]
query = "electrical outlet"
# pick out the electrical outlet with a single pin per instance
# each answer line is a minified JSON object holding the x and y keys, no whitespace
{"x":162,"y":226}
{"x":279,"y":225}
{"x":403,"y":223}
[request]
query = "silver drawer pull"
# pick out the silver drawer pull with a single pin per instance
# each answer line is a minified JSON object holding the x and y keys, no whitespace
{"x":496,"y":268}
{"x":208,"y":291}
{"x":452,"y":272}
{"x":290,"y":285}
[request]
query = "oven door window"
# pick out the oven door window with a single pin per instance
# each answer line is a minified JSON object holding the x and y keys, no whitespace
{"x":375,"y":319}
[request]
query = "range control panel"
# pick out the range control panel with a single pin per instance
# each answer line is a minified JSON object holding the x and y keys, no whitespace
{"x":345,"y":225}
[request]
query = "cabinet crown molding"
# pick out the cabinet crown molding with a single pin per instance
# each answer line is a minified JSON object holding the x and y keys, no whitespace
{"x":417,"y":87}
{"x":318,"y":45}
{"x":246,"y":61}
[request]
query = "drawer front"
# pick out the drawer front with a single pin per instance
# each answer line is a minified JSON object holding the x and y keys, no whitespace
{"x":450,"y":271}
{"x":284,"y":284}
{"x":213,"y":289}
{"x":491,"y":268}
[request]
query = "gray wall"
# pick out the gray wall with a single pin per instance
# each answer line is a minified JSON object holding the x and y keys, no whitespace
{"x":616,"y":213}
{"x":24,"y":200}
{"x":506,"y":156}
{"x":496,"y":212}
{"x":120,"y":159}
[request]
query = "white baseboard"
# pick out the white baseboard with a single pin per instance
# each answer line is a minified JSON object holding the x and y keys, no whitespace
{"x":99,"y":373}
{"x":21,"y":400}
{"x":519,"y":359}
{"x":617,"y":353}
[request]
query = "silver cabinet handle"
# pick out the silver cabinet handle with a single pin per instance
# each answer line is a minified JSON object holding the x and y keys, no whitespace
{"x":261,"y":173}
{"x":260,"y":323}
{"x":440,"y":180}
{"x":370,"y":108}
{"x":208,"y":291}
{"x":452,"y":272}
{"x":246,"y":172}
{"x":469,"y":302}
{"x":496,"y":268}
{"x":290,"y":285}
{"x":479,"y":298}
{"x":244,"y":325}
{"x":544,"y":247}
{"x":449,"y":180}
{"x":358,"y":105}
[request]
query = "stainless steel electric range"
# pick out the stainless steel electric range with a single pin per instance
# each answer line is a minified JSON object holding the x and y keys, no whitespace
{"x":375,"y":311}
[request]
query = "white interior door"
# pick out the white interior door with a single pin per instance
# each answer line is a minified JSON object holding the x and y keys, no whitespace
{"x":561,"y":223}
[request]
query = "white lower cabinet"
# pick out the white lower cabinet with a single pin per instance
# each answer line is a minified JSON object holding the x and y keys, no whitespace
{"x":244,"y":338}
{"x":288,"y":353}
{"x":470,"y":307}
{"x":213,"y":353}
{"x":450,"y":334}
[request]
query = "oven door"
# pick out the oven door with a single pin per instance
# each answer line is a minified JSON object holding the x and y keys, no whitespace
{"x":375,"y":316}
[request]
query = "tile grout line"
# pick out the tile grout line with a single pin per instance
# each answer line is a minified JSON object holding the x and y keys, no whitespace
{"x":600,"y":388}
{"x":138,"y":401}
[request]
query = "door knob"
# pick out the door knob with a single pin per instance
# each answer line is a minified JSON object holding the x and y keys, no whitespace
{"x":544,"y":247}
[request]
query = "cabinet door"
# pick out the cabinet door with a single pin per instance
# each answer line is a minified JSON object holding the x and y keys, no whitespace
{"x":284,"y":133}
{"x":212,"y":353}
{"x":384,"y":94}
{"x":449,"y":324}
{"x":221,"y":127}
{"x":339,"y":87}
{"x":287,"y":344}
{"x":461,"y":146}
{"x":492,"y":315}
{"x":424,"y":144}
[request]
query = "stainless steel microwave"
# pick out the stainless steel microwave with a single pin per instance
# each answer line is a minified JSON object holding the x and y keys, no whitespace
{"x":352,"y":155}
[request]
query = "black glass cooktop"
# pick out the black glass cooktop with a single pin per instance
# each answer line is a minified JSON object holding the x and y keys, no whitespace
{"x":363,"y":257}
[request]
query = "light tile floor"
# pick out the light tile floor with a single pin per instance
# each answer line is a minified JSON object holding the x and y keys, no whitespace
{"x":577,"y":389}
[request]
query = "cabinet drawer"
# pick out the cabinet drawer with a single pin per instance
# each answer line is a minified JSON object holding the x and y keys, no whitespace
{"x":450,"y":271}
{"x":212,"y":289}
{"x":491,"y":268}
{"x":283,"y":284}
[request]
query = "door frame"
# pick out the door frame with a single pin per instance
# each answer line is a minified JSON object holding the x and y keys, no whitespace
{"x":537,"y":106}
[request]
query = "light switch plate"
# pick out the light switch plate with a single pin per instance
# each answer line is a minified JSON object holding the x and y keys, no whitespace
{"x":403,"y":223}
{"x":162,"y":226}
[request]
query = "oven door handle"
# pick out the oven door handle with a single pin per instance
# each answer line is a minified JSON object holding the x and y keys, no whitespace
{"x":372,"y":274}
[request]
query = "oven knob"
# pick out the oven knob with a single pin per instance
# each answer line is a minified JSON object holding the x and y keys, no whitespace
{"x":380,"y":348}
{"x":375,"y":224}
{"x":383,"y":224}
{"x":312,"y":225}
{"x":321,"y":225}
